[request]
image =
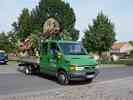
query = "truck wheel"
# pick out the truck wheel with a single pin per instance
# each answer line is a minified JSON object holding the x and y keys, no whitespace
{"x":38,"y":71}
{"x":89,"y":80}
{"x":5,"y":63}
{"x":27,"y":70}
{"x":62,"y":78}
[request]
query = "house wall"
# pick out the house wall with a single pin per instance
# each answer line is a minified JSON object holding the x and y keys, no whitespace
{"x":115,"y":50}
{"x":126,"y":48}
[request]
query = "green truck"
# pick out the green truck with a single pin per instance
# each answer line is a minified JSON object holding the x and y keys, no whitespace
{"x":66,"y":60}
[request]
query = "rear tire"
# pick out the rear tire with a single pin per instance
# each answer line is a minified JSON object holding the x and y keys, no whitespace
{"x":62,"y":78}
{"x":38,"y":70}
{"x":27,"y":70}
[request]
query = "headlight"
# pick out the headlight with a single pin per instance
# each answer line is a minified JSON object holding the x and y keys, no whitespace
{"x":72,"y":68}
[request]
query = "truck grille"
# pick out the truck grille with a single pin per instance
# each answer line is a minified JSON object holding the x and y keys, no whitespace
{"x":90,"y":73}
{"x":88,"y":67}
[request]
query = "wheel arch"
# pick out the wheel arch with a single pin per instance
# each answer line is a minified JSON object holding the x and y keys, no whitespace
{"x":61,"y":69}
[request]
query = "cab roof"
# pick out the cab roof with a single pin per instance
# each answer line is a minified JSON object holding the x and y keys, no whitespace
{"x":61,"y":41}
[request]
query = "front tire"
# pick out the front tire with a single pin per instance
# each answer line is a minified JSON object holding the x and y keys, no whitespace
{"x":89,"y":80}
{"x":62,"y":78}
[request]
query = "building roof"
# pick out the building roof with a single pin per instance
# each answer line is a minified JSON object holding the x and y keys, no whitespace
{"x":119,"y":45}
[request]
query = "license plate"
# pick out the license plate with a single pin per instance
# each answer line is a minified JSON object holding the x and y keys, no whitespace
{"x":89,"y":76}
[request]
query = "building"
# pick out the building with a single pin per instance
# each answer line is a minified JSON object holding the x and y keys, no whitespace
{"x":121,"y":49}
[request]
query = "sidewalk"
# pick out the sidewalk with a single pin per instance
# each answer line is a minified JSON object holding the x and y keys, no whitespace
{"x":111,"y":65}
{"x":119,"y":89}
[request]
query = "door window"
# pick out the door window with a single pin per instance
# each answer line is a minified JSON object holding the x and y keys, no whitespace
{"x":53,"y":49}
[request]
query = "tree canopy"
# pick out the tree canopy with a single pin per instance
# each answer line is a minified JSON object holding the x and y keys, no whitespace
{"x":6,"y":42}
{"x":32,"y":22}
{"x":130,"y":42}
{"x":99,"y":36}
{"x":23,"y":26}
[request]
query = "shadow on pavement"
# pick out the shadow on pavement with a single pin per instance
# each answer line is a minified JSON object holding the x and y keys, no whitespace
{"x":72,"y":83}
{"x":54,"y":79}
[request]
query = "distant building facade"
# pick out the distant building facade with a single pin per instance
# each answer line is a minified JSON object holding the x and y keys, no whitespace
{"x":121,"y":49}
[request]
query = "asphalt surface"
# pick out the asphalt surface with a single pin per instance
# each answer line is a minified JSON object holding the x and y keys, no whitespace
{"x":13,"y":81}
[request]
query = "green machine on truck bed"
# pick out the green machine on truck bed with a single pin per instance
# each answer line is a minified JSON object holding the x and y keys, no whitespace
{"x":66,"y":60}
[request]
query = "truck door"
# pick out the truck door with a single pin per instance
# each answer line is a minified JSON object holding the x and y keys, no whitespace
{"x":52,"y":58}
{"x":44,"y":58}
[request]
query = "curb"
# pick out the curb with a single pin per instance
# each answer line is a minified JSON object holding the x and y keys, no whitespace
{"x":111,"y":66}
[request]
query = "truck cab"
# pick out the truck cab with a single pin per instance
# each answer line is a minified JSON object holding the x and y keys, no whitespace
{"x":67,"y":60}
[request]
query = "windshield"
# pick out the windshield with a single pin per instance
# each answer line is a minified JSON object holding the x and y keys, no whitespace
{"x":2,"y":54}
{"x":72,"y":48}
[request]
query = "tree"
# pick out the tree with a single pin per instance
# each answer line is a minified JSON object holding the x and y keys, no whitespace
{"x":23,"y":26}
{"x":54,"y":8}
{"x":72,"y":34}
{"x":131,"y":43}
{"x":100,"y":36}
{"x":13,"y":40}
{"x":131,"y":52}
{"x":5,"y":44}
{"x":31,"y":23}
{"x":15,"y":27}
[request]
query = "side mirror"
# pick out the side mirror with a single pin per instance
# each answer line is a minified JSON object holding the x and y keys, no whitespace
{"x":58,"y":55}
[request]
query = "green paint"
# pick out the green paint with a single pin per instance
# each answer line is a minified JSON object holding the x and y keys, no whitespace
{"x":50,"y":64}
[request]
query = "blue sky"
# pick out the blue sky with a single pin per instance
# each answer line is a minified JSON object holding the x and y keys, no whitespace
{"x":119,"y":11}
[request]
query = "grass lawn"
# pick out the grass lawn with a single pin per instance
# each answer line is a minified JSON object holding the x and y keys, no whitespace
{"x":111,"y":65}
{"x":12,"y":62}
{"x":120,"y":63}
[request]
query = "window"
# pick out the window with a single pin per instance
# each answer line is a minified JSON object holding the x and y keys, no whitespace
{"x":2,"y":54}
{"x":72,"y":49}
{"x":53,"y":48}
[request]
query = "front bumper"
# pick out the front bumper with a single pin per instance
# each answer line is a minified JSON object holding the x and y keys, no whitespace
{"x":83,"y":75}
{"x":3,"y":61}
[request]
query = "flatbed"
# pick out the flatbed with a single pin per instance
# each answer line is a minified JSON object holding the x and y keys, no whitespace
{"x":29,"y":59}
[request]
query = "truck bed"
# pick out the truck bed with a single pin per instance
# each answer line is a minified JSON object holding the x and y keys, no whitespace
{"x":29,"y":59}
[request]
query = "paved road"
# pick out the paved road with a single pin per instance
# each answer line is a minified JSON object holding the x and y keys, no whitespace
{"x":13,"y":81}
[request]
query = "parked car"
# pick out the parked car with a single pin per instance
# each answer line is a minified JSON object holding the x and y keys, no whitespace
{"x":3,"y":57}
